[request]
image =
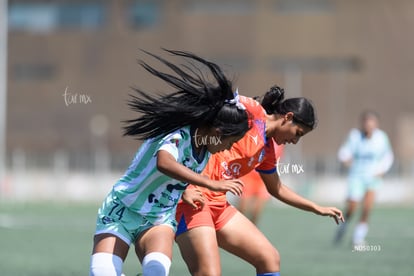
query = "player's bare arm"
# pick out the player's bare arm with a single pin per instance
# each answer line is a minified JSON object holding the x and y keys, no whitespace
{"x":286,"y":195}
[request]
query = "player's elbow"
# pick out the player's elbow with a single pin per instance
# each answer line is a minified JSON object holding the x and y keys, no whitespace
{"x":161,"y":167}
{"x":274,"y":190}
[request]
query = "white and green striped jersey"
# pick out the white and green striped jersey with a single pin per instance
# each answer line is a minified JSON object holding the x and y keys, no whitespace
{"x":147,"y":191}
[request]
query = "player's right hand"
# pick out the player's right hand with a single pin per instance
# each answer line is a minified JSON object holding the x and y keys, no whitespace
{"x":194,"y":197}
{"x":235,"y":186}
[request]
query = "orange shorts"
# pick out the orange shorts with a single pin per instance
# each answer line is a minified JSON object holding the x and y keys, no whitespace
{"x":214,"y":214}
{"x":254,"y":186}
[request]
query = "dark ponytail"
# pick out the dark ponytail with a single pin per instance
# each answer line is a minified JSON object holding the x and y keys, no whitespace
{"x":194,"y":102}
{"x":303,"y":111}
{"x":275,"y":95}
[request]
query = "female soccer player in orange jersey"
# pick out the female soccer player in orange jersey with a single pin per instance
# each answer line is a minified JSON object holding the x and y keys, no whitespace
{"x":202,"y":230}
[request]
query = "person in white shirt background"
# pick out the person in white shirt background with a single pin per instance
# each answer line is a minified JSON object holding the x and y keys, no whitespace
{"x":368,"y":155}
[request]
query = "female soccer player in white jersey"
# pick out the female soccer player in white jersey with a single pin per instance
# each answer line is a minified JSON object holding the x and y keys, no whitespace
{"x":368,"y":154}
{"x":180,"y":130}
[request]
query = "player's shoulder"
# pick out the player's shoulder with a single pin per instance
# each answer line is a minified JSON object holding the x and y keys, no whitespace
{"x":248,"y":101}
{"x":355,"y":134}
{"x":355,"y":131}
{"x":181,"y":133}
{"x":381,"y":134}
{"x":180,"y":137}
{"x":252,"y":106}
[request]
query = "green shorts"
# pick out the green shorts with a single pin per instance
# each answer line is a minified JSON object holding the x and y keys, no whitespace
{"x":117,"y":219}
{"x":359,"y":185}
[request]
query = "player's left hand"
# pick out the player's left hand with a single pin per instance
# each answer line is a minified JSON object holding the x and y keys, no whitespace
{"x":333,"y":212}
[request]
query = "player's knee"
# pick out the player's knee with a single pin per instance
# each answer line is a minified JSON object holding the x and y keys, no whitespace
{"x":105,"y":264}
{"x":204,"y":266}
{"x":156,"y":264}
{"x":268,"y":260}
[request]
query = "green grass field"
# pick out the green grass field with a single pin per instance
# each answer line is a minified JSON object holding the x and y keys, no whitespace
{"x":56,"y":239}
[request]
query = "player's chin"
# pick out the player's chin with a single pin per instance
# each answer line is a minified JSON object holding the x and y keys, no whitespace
{"x":278,"y":142}
{"x":214,"y":150}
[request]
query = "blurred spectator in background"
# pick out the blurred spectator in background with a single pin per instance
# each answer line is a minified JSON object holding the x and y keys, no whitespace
{"x":255,"y":194}
{"x":368,"y":155}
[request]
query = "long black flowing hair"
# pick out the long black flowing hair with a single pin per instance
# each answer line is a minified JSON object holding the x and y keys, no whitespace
{"x":195,"y":101}
{"x":303,"y":111}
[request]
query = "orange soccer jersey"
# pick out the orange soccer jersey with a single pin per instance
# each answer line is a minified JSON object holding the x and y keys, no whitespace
{"x":253,"y":183}
{"x":253,"y":151}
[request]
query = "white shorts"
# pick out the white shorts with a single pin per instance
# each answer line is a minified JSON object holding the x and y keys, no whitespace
{"x":359,"y":185}
{"x":115,"y":218}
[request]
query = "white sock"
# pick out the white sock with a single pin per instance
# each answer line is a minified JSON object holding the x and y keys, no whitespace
{"x":156,"y":264}
{"x":360,"y":232}
{"x":105,"y":264}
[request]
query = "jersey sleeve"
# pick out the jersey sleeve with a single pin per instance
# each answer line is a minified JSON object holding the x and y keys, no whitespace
{"x":268,"y":164}
{"x":386,"y":157}
{"x":346,"y":151}
{"x":171,"y":143}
